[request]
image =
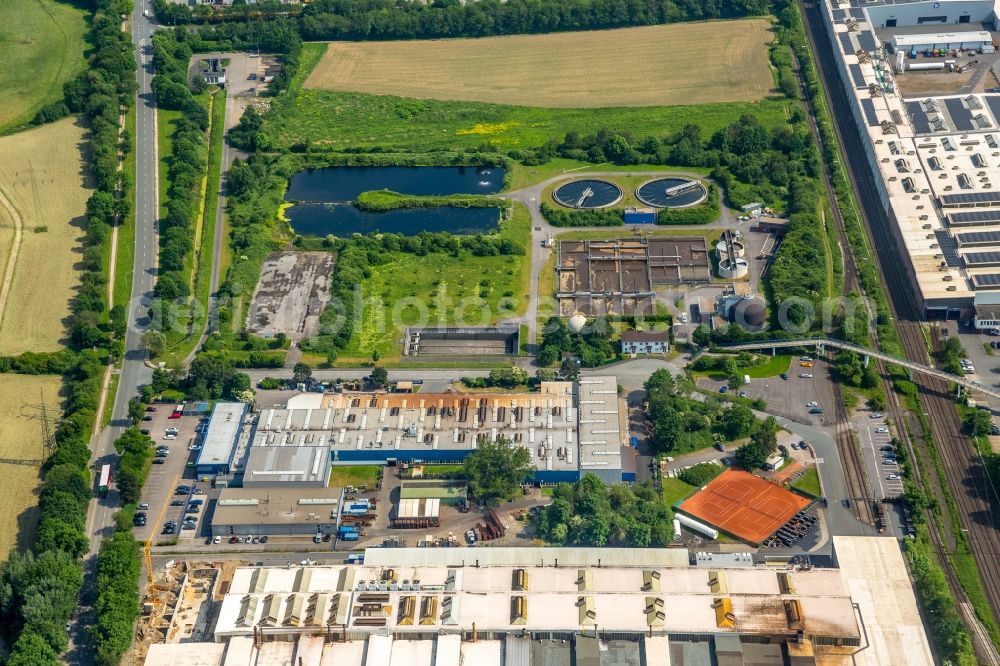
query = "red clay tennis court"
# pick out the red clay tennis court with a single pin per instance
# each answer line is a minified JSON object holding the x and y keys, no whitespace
{"x":744,"y":505}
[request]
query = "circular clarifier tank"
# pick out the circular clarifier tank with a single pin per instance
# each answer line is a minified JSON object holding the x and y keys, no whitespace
{"x":671,"y":193}
{"x":588,"y":194}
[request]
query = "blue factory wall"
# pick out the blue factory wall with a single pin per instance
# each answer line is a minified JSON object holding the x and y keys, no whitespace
{"x":382,"y":456}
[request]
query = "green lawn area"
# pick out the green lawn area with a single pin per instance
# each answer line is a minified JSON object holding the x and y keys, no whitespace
{"x":523,"y":176}
{"x":438,"y":290}
{"x":42,"y":46}
{"x":439,"y":469}
{"x":355,"y":120}
{"x":809,"y":482}
{"x":126,"y":232}
{"x":353,"y":475}
{"x":772,"y":368}
{"x":675,"y":490}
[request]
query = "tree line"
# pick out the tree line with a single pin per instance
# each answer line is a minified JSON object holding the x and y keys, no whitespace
{"x":388,"y":19}
{"x":186,"y":166}
{"x":38,"y":587}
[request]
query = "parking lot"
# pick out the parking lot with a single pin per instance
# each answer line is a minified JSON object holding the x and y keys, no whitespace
{"x":164,"y":477}
{"x":793,"y":398}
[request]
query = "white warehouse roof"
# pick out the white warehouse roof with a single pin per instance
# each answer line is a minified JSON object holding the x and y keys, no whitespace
{"x":942,"y":38}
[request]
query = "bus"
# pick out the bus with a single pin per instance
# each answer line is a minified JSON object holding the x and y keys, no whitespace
{"x":105,"y":481}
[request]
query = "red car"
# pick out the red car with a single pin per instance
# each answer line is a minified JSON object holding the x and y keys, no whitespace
{"x":175,"y":415}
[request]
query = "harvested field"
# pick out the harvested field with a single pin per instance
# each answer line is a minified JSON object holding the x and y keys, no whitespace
{"x":21,"y":437}
{"x":42,"y":176}
{"x":744,"y":505}
{"x":689,"y":63}
{"x":293,"y":289}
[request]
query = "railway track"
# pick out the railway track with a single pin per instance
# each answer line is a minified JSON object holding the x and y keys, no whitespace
{"x":858,"y":485}
{"x":963,"y":468}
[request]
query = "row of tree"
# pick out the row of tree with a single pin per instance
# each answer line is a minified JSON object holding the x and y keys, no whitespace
{"x":38,"y":587}
{"x":117,"y":607}
{"x":591,"y":513}
{"x":186,"y":166}
{"x":388,"y":19}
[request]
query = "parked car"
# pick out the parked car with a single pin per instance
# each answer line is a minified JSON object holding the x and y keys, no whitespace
{"x":816,"y":410}
{"x":886,"y":461}
{"x":806,"y":364}
{"x":170,"y":436}
{"x":189,"y":526}
{"x":159,"y":461}
{"x":151,"y":409}
{"x":784,"y":376}
{"x":743,"y":394}
{"x":882,"y":429}
{"x":876,"y":415}
{"x":719,"y":446}
{"x":234,"y":539}
{"x":176,"y":502}
{"x":143,"y":506}
{"x":147,"y":418}
{"x":217,"y":540}
{"x":812,"y":403}
{"x":723,"y":389}
{"x":182,"y":490}
{"x":886,"y":448}
{"x":806,"y":375}
{"x":144,"y":431}
{"x":893,"y":477}
{"x":263,"y":538}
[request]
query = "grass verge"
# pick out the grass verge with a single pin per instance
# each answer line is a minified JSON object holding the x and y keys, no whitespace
{"x":354,"y":475}
{"x":809,"y":482}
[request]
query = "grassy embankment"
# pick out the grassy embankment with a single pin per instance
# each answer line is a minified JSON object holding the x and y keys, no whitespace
{"x":198,"y":264}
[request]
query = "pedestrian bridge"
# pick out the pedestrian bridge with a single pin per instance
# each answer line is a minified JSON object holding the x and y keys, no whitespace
{"x":822,"y":343}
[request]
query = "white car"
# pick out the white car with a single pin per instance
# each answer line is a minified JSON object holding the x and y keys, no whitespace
{"x":876,"y":415}
{"x":812,"y":403}
{"x":217,"y":540}
{"x":143,"y":507}
{"x":684,"y":318}
{"x":805,"y":375}
{"x":194,"y":447}
{"x":893,"y":477}
{"x":170,"y":435}
{"x":882,"y":429}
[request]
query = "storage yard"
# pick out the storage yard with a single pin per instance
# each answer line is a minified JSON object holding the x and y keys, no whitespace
{"x":291,"y":293}
{"x":564,"y":70}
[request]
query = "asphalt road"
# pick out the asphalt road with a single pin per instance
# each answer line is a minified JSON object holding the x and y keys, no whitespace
{"x":133,"y":371}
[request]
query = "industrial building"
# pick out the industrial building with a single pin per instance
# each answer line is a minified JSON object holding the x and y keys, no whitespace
{"x":289,"y":511}
{"x":936,"y":159}
{"x":569,"y":429}
{"x":469,"y":340}
{"x":283,"y":466}
{"x":225,"y":429}
{"x":976,"y":41}
{"x":573,"y":606}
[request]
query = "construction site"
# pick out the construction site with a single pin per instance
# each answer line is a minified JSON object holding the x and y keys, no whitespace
{"x":617,"y":277}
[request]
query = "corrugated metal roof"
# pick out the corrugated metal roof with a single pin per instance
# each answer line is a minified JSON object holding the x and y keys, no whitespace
{"x":508,"y":556}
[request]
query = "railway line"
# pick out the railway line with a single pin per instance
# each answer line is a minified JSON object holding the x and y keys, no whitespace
{"x":962,"y":465}
{"x":858,"y":484}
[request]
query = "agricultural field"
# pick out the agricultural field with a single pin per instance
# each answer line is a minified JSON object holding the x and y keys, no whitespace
{"x":341,"y":120}
{"x":42,"y":178}
{"x":41,"y":47}
{"x":660,"y":65}
{"x":21,"y":436}
{"x":436,"y":288}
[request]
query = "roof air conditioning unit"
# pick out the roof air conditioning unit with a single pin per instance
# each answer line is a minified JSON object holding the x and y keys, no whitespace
{"x":951,"y":288}
{"x":947,"y":278}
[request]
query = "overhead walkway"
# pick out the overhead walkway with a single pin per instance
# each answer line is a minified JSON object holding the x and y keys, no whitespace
{"x":822,"y":343}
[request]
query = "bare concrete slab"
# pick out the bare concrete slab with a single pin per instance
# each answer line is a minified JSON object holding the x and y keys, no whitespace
{"x":293,"y":289}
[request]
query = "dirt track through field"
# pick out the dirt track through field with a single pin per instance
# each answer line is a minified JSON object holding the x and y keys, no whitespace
{"x":662,"y":65}
{"x":15,"y":246}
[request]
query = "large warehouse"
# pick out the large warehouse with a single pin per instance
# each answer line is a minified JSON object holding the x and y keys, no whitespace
{"x":566,"y":606}
{"x":569,"y":428}
{"x":935,"y":158}
{"x":222,"y":438}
